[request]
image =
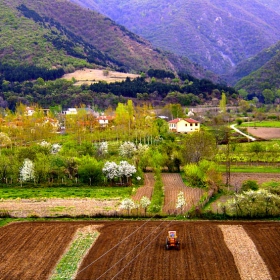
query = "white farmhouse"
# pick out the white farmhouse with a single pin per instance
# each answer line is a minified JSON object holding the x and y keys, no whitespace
{"x":181,"y":125}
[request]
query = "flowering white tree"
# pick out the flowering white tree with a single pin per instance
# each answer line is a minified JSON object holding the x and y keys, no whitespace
{"x":126,"y":170}
{"x":55,"y":148}
{"x":27,"y":170}
{"x":127,"y":204}
{"x":181,"y":202}
{"x":127,"y":149}
{"x":45,"y":144}
{"x":142,"y":148}
{"x":254,"y":204}
{"x":145,"y":202}
{"x":102,"y":149}
{"x":111,"y":170}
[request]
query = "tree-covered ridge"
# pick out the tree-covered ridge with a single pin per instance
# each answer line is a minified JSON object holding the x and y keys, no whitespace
{"x":185,"y":90}
{"x":56,"y":34}
{"x":64,"y":39}
{"x":254,"y":63}
{"x":216,"y":34}
{"x":22,"y":43}
{"x":265,"y":77}
{"x":23,"y":73}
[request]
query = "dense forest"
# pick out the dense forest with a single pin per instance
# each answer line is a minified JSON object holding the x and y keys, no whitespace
{"x":185,"y":89}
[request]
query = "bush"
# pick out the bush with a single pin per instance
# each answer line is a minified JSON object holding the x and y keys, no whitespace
{"x":249,"y":185}
{"x":239,"y":121}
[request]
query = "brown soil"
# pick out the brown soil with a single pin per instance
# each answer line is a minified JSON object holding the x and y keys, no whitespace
{"x":267,"y":133}
{"x":133,"y":250}
{"x":236,"y":179}
{"x":147,"y":189}
{"x":173,"y":184}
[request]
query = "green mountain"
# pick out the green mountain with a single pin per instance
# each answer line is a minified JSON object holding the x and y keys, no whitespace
{"x":252,"y":64}
{"x":216,"y":34}
{"x":263,"y":71}
{"x":58,"y":33}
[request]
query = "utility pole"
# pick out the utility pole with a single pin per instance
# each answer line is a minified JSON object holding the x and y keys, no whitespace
{"x":228,"y":159}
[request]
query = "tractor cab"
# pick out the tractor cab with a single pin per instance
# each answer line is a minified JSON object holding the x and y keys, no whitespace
{"x":172,"y":241}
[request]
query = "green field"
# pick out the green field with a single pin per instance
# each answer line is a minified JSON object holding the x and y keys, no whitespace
{"x":251,"y":169}
{"x":261,"y":124}
{"x":65,"y":192}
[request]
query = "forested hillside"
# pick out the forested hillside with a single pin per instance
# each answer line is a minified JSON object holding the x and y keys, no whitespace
{"x":263,"y":61}
{"x":217,"y":34}
{"x":60,"y":34}
{"x":265,"y":77}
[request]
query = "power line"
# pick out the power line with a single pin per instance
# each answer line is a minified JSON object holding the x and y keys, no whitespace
{"x":140,"y":252}
{"x":129,"y":251}
{"x":115,"y":245}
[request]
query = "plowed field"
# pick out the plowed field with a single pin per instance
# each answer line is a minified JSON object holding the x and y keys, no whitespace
{"x":135,"y":250}
{"x":173,"y":184}
{"x":147,"y":189}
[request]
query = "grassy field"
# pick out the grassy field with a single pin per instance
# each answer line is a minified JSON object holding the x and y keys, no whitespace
{"x":251,"y":169}
{"x":261,"y":124}
{"x":88,"y":76}
{"x":65,"y":192}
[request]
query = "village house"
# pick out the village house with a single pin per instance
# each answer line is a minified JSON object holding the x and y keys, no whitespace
{"x":104,"y":120}
{"x":29,"y":111}
{"x":181,"y":125}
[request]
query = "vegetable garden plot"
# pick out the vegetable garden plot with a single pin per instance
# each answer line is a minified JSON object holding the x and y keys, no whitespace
{"x":173,"y":184}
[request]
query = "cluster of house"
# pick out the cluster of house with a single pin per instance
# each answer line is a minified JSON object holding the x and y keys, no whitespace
{"x":179,"y":125}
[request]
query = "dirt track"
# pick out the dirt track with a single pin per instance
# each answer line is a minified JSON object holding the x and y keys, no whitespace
{"x":31,"y":250}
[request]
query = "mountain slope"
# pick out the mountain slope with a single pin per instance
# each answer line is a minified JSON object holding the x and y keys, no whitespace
{"x":217,"y":34}
{"x":59,"y":33}
{"x":254,"y":63}
{"x":266,"y":74}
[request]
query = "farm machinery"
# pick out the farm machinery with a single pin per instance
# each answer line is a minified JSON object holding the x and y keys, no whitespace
{"x":172,"y":241}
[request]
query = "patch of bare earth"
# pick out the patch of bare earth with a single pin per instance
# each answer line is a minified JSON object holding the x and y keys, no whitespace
{"x":147,"y":189}
{"x":58,"y":207}
{"x":267,"y":133}
{"x":246,"y":256}
{"x":237,"y":179}
{"x":173,"y":184}
{"x":88,"y":76}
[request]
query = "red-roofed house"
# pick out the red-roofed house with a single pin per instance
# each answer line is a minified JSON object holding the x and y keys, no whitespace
{"x":181,"y":125}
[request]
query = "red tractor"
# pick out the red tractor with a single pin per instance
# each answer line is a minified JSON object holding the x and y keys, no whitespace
{"x":172,"y":241}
